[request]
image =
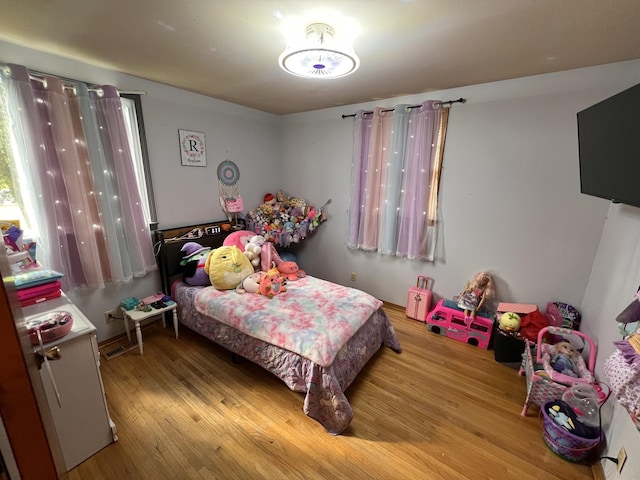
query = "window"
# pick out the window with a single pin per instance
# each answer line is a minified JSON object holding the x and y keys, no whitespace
{"x":10,"y":211}
{"x":73,"y":165}
{"x":132,"y":108}
{"x":395,"y":177}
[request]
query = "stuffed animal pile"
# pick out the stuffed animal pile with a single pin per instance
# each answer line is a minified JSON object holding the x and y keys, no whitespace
{"x":245,"y":262}
{"x":284,"y":220}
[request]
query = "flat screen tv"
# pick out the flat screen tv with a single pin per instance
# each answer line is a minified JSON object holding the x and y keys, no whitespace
{"x":609,"y":148}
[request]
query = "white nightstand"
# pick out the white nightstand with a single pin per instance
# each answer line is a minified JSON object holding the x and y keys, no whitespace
{"x":137,"y":316}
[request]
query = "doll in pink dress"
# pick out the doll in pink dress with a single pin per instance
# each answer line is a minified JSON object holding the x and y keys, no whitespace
{"x":476,"y":292}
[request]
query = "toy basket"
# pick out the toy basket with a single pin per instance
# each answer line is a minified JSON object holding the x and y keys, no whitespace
{"x":541,"y":387}
{"x":564,"y":443}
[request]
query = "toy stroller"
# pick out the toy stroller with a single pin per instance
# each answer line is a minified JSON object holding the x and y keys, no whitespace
{"x":544,"y":384}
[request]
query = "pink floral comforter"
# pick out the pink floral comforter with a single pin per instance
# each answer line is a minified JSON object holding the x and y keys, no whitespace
{"x":313,"y":318}
{"x":324,"y":387}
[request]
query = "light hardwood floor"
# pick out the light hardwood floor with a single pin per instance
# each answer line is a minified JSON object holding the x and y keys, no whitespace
{"x":441,"y":409}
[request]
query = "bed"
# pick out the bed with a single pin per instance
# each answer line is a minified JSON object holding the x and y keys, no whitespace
{"x":316,"y":337}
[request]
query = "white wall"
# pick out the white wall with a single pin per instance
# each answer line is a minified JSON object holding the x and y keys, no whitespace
{"x":189,"y":195}
{"x":184,"y":195}
{"x":510,"y":191}
{"x":511,"y":202}
{"x":614,"y":280}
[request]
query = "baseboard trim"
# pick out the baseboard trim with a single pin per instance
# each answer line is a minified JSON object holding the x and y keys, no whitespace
{"x":393,"y":305}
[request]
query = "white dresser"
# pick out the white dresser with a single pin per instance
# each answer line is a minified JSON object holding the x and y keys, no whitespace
{"x":78,"y":423}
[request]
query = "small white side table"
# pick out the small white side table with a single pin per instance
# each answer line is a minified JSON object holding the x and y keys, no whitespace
{"x":137,"y":316}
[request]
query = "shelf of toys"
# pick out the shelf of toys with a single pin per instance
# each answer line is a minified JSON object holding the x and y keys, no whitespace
{"x":285,"y":220}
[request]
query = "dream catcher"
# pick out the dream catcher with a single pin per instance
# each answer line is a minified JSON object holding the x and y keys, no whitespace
{"x":230,"y":199}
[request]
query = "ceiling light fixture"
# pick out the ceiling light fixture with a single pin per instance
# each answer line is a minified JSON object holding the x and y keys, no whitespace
{"x":319,"y":55}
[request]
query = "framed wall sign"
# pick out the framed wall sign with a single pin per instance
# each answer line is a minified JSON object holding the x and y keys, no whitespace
{"x":192,"y":148}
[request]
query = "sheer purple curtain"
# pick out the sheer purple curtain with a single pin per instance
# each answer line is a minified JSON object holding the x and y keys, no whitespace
{"x":59,"y":138}
{"x":395,"y":176}
{"x":361,"y":135}
{"x":371,"y":175}
{"x":131,"y":226}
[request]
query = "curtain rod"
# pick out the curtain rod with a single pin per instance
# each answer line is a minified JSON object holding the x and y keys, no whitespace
{"x":448,"y":103}
{"x":37,"y":76}
{"x":91,"y":87}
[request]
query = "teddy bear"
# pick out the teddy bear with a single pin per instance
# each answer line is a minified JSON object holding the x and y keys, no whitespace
{"x":192,"y":263}
{"x":290,"y":270}
{"x":281,"y":196}
{"x":248,"y":242}
{"x":253,"y":249}
{"x":227,"y":266}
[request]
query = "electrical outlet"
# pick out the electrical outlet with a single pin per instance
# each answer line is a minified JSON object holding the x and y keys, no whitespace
{"x":353,"y":276}
{"x":109,"y":316}
{"x":622,"y":457}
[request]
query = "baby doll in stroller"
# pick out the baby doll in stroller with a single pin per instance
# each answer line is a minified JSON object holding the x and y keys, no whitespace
{"x":565,"y":359}
{"x":552,"y":369}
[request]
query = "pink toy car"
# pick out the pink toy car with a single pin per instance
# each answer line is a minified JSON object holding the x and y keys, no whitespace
{"x":447,"y":319}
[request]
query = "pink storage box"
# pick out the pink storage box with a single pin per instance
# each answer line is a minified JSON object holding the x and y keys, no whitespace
{"x":39,"y":293}
{"x":419,"y":300}
{"x":519,"y":308}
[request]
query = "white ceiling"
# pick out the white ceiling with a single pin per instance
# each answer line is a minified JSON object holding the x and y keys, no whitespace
{"x":228,"y":49}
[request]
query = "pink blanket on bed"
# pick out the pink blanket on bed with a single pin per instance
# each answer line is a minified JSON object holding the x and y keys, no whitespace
{"x":313,"y":318}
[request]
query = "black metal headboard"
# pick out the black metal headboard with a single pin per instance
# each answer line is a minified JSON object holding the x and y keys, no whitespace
{"x":168,"y":243}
